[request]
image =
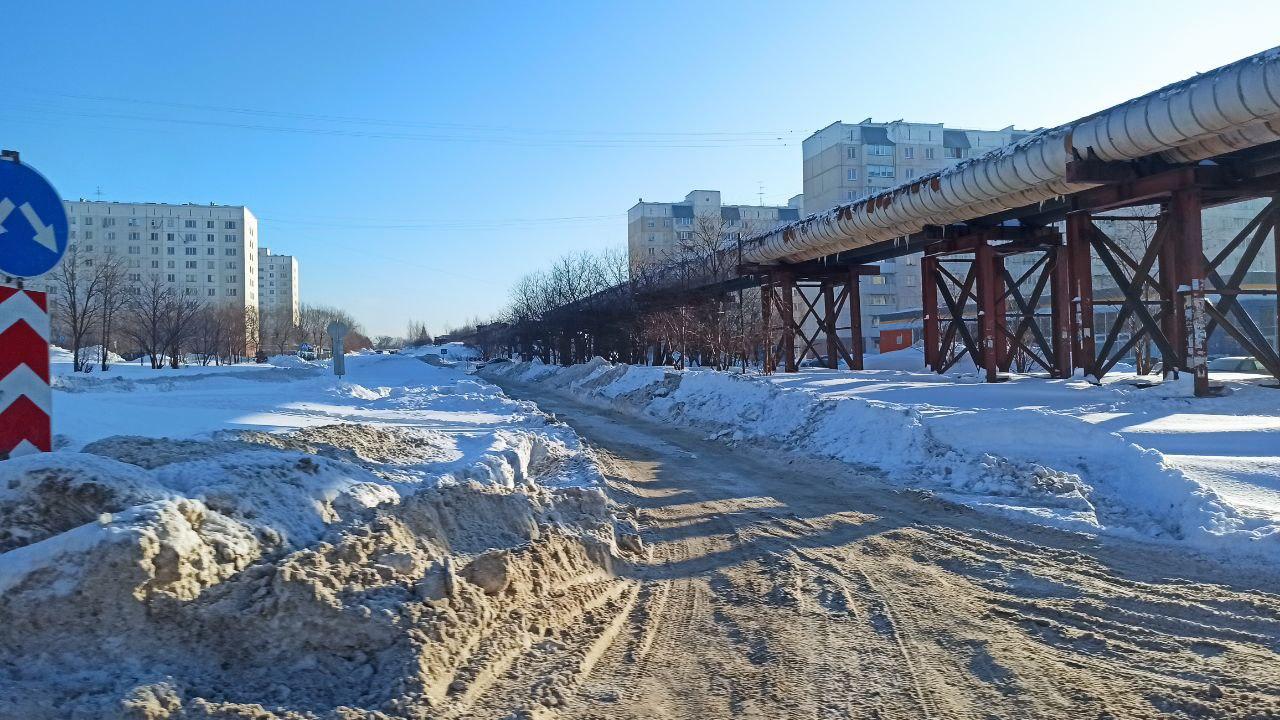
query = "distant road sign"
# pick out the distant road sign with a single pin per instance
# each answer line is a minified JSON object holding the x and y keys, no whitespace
{"x":33,"y":222}
{"x":338,"y":331}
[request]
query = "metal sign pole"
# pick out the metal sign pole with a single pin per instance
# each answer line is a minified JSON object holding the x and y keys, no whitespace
{"x":337,"y":334}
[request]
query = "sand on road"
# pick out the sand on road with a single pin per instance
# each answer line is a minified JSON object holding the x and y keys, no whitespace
{"x":807,"y":589}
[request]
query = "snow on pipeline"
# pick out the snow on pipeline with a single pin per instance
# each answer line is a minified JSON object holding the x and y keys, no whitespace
{"x":306,"y":548}
{"x":1029,"y":463}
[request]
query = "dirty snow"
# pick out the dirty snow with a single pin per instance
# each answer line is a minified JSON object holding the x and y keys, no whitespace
{"x":266,"y":540}
{"x":1148,"y":463}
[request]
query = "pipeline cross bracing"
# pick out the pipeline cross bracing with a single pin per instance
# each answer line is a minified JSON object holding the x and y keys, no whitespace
{"x":1212,"y":139}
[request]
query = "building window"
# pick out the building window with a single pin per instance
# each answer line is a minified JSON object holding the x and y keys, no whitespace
{"x":108,"y":222}
{"x":210,"y":251}
{"x":231,"y":252}
{"x":911,"y":172}
{"x":88,"y":234}
{"x":879,"y":299}
{"x":229,"y":238}
{"x":208,"y":224}
{"x":878,"y":279}
{"x":928,"y":153}
{"x":169,"y":236}
{"x":192,"y":264}
{"x":168,"y":251}
{"x":852,"y":174}
{"x":229,"y":225}
{"x":650,"y":252}
{"x":191,"y":278}
{"x":189,"y":237}
{"x":155,"y":264}
{"x":170,"y":277}
{"x":880,"y":171}
{"x":189,"y":251}
{"x":955,"y":153}
{"x":233,"y":278}
{"x":882,"y":150}
{"x":154,"y":237}
{"x":189,"y":223}
{"x":135,"y":250}
{"x":908,"y":152}
{"x":650,"y":223}
{"x":169,"y":264}
{"x":851,"y":153}
{"x":911,"y":280}
{"x":231,"y":264}
{"x":134,"y":236}
{"x":209,"y":237}
{"x":211,"y":292}
{"x":210,"y":278}
{"x":231,"y":292}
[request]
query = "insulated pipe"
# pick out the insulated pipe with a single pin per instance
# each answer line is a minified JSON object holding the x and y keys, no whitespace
{"x":1232,"y":108}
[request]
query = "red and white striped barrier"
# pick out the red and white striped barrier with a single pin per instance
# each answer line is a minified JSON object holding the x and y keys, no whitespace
{"x":26,"y":401}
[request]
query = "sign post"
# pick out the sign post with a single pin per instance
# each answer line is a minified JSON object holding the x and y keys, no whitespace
{"x":33,"y":238}
{"x":337,"y":333}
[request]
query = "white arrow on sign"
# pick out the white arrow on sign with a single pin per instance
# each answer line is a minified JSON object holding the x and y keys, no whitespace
{"x":44,"y":233}
{"x":6,"y":207}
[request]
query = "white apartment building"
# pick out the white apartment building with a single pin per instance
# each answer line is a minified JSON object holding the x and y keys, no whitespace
{"x":277,"y":288}
{"x":205,"y":252}
{"x":656,"y":231}
{"x":847,"y":161}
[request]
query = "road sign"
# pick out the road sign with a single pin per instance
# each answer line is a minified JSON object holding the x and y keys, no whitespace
{"x":33,"y":222}
{"x":26,"y":403}
{"x":337,"y":332}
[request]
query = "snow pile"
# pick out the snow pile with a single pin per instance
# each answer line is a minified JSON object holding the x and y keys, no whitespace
{"x":353,"y":545}
{"x":1027,"y":462}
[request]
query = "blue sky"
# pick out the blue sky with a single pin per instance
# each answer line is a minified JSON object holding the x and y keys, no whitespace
{"x":420,"y":157}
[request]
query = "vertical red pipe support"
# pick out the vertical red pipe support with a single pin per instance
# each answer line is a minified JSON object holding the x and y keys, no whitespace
{"x":1060,"y":313}
{"x":1185,"y":207}
{"x":829,"y":324}
{"x":987,"y":291}
{"x":766,"y":316}
{"x":854,"y":301}
{"x":1171,"y":278}
{"x":929,"y":309}
{"x":1004,"y":353}
{"x":1080,"y":257}
{"x":787,"y":287}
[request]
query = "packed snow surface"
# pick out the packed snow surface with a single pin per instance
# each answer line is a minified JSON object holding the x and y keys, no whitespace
{"x":1151,"y":463}
{"x":230,"y":539}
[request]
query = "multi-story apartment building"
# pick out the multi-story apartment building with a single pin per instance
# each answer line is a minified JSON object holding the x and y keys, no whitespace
{"x":205,"y":252}
{"x":277,"y":289}
{"x":657,"y":231}
{"x":847,"y":161}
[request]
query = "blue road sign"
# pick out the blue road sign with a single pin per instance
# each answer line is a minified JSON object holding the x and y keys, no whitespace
{"x":33,"y":222}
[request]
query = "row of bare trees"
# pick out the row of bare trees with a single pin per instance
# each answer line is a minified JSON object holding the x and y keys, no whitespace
{"x":98,"y":304}
{"x":657,"y":311}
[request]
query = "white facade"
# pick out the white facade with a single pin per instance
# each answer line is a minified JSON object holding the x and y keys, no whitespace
{"x":277,"y":288}
{"x":656,"y":230}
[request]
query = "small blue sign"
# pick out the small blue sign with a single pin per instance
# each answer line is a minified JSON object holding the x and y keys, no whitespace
{"x":33,"y":222}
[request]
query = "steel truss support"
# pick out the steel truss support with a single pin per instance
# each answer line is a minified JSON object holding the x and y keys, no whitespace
{"x":1003,"y":332}
{"x":801,"y":314}
{"x":1167,"y":291}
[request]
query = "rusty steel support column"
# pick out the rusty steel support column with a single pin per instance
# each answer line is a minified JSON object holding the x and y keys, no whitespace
{"x":1171,"y":278}
{"x":929,"y":310}
{"x":1186,"y":209}
{"x":766,"y":316}
{"x":984,"y":257}
{"x":854,"y":301}
{"x":1083,"y":348}
{"x":1060,"y":302}
{"x":1004,"y":351}
{"x":786,"y":290}
{"x":829,"y":324}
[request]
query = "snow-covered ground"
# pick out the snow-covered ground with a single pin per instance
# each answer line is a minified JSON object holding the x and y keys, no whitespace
{"x":1153,"y":463}
{"x":236,"y":534}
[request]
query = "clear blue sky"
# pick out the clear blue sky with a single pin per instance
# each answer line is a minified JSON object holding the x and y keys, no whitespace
{"x":419,"y":157}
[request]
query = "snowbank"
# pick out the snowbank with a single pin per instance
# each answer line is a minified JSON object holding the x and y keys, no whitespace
{"x":1032,"y":463}
{"x":279,"y":543}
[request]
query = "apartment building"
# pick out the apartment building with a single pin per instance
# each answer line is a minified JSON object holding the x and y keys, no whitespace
{"x":847,"y":161}
{"x":656,"y":231}
{"x":208,"y":252}
{"x":277,"y":289}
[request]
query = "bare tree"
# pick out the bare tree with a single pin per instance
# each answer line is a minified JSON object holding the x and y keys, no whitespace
{"x":77,"y":292}
{"x":146,"y":319}
{"x":417,"y":334}
{"x":111,"y":272}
